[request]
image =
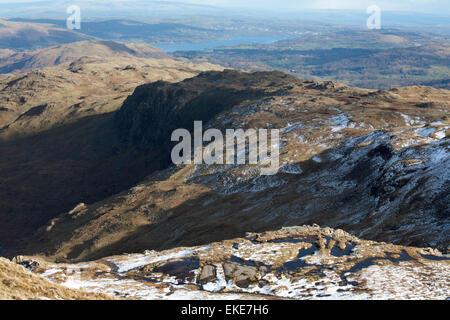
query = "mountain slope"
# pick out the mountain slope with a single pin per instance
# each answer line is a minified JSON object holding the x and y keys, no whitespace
{"x":84,"y":160}
{"x":375,"y":163}
{"x":19,"y":283}
{"x":89,"y":85}
{"x":58,"y":122}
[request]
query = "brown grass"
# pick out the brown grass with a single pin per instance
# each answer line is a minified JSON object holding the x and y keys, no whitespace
{"x":18,"y":283}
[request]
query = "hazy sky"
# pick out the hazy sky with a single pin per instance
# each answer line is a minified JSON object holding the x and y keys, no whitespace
{"x":402,"y":5}
{"x":430,"y":6}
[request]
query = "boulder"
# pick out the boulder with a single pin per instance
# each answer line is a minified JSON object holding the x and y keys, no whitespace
{"x":208,"y":274}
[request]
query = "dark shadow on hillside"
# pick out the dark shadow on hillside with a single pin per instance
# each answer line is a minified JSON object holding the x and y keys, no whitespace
{"x":51,"y":172}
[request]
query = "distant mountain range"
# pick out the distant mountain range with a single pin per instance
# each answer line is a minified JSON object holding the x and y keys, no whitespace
{"x":129,"y":30}
{"x":144,"y":9}
{"x":111,"y":9}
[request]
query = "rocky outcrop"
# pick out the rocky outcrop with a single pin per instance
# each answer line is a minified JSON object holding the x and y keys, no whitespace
{"x":306,"y":262}
{"x":149,"y":116}
{"x":208,"y":274}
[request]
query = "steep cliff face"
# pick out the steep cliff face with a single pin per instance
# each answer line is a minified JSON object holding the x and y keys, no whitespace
{"x":374,"y":163}
{"x":149,"y":116}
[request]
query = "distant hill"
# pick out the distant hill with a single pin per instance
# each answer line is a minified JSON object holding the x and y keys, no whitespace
{"x":134,"y":31}
{"x":17,"y":62}
{"x":30,"y":36}
{"x":370,"y":59}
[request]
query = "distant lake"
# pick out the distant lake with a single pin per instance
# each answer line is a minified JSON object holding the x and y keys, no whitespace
{"x":202,"y":46}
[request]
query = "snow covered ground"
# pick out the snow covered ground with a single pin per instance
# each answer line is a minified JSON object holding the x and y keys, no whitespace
{"x":305,"y":262}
